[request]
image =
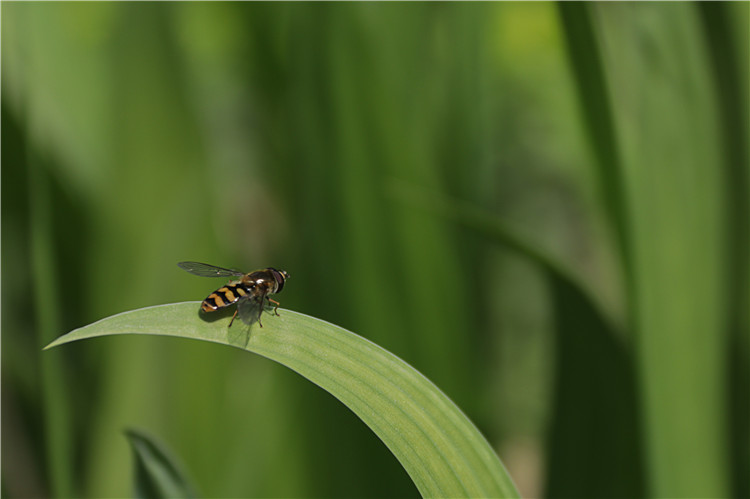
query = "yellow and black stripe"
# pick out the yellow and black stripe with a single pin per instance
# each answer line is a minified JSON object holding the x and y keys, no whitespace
{"x":225,"y":296}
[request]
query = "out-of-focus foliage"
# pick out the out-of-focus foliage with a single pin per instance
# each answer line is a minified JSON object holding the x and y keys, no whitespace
{"x":157,"y":474}
{"x":610,"y":138}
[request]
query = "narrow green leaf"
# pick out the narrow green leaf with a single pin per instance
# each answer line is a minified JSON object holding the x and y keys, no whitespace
{"x":495,"y":230}
{"x":730,"y":76}
{"x":57,"y":413}
{"x":588,"y":69}
{"x":157,"y":475}
{"x":665,"y":120}
{"x":435,"y":442}
{"x":595,"y":392}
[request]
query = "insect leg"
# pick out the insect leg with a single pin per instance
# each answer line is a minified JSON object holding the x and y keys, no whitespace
{"x":260,"y":309}
{"x":235,"y":315}
{"x":276,"y":308}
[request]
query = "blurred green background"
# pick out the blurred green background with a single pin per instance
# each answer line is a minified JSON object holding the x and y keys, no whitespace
{"x":543,"y":208}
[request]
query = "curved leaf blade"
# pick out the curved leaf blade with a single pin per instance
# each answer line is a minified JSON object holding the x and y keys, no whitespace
{"x":443,"y":452}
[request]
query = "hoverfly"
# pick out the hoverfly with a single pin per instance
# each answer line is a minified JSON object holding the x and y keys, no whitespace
{"x":249,"y":291}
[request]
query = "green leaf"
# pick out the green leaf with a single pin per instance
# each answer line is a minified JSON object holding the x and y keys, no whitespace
{"x":660,"y":163}
{"x":594,"y":375}
{"x":494,"y":230}
{"x":435,"y":442}
{"x":588,"y":69}
{"x":157,"y":475}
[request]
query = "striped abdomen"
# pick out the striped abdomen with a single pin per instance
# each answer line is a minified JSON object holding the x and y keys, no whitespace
{"x":225,"y":296}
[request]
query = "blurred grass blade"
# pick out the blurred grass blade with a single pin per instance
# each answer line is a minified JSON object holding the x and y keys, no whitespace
{"x":489,"y":226}
{"x":57,"y":410}
{"x":730,"y":75}
{"x":665,"y":184}
{"x":586,"y":63}
{"x":593,"y":444}
{"x":156,"y":473}
{"x":439,"y":447}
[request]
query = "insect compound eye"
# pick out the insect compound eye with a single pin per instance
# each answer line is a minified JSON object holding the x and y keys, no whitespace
{"x":279,"y":277}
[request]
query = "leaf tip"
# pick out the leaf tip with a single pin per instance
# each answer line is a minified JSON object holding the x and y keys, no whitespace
{"x":59,"y":341}
{"x":54,"y":343}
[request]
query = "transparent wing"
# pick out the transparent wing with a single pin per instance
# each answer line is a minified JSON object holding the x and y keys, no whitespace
{"x":206,"y":270}
{"x":249,"y":309}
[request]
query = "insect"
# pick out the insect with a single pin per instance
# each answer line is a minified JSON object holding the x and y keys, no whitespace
{"x":249,"y":291}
